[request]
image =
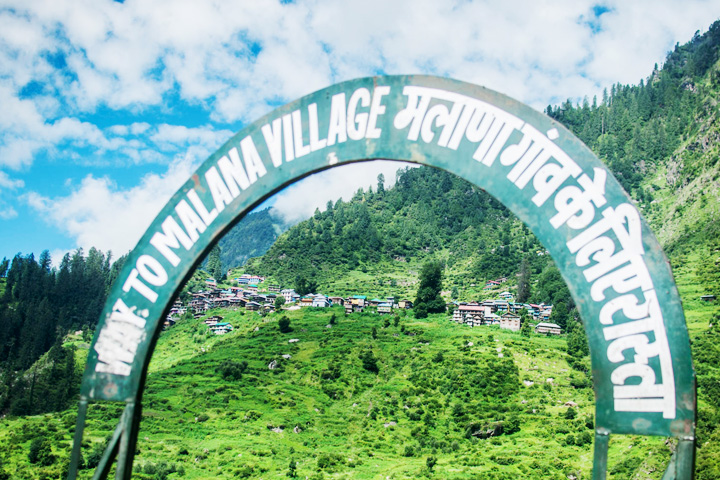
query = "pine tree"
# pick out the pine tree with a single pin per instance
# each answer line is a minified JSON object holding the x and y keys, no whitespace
{"x":523,"y":291}
{"x":428,"y":299}
{"x":214,"y":264}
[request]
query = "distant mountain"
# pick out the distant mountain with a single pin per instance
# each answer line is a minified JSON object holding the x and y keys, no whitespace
{"x":251,"y":237}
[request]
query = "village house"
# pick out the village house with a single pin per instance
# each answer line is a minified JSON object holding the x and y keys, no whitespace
{"x":211,"y":282}
{"x":307,"y":301}
{"x":337,"y":300}
{"x":288,"y":294}
{"x":359,"y":300}
{"x":221,"y":328}
{"x":252,"y":306}
{"x":178,"y":309}
{"x":384,"y":308}
{"x":471,"y":314}
{"x":510,"y":321}
{"x":356,"y":303}
{"x":501,"y":306}
{"x":321,"y":301}
{"x":549,"y":328}
{"x":405,"y":304}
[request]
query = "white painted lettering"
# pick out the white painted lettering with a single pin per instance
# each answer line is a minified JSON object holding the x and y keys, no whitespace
{"x":288,"y":136}
{"x":134,"y":283}
{"x":376,"y":109}
{"x":191,"y":221}
{"x":357,"y":122}
{"x":151,"y":270}
{"x":315,"y":142}
{"x":207,"y":217}
{"x":253,"y":163}
{"x":233,"y":172}
{"x":171,"y":237}
{"x":300,"y":148}
{"x":337,"y":130}
{"x":219,"y":191}
{"x":273,"y":140}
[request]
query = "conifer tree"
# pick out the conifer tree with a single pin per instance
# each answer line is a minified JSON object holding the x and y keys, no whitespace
{"x":428,"y":299}
{"x":214,"y":264}
{"x":523,"y":291}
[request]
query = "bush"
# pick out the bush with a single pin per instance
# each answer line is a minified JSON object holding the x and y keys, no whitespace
{"x":93,"y":458}
{"x":329,"y":460}
{"x":511,"y":425}
{"x":369,"y":362}
{"x":40,"y":452}
{"x":232,"y":370}
{"x":284,"y":325}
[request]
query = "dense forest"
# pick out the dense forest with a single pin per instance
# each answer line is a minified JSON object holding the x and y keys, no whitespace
{"x":633,"y":128}
{"x":427,"y":211}
{"x":38,"y":307}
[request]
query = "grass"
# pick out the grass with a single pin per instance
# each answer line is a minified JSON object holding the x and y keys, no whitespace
{"x":210,"y":427}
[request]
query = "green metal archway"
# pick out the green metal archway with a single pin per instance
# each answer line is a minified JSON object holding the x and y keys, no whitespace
{"x":617,"y":274}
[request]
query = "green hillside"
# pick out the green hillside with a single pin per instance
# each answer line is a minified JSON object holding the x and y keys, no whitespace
{"x":348,"y":404}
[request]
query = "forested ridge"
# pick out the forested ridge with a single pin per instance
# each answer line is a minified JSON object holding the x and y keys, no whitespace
{"x":426,"y":212}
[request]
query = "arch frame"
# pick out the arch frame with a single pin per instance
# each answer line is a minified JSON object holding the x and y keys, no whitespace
{"x":611,"y":261}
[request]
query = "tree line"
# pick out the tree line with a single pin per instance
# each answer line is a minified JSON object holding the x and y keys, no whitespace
{"x":39,"y":306}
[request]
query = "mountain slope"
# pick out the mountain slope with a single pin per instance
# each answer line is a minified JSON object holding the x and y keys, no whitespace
{"x":251,"y":237}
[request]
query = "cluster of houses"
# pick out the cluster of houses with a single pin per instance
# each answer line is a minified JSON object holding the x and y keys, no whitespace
{"x":501,"y":311}
{"x":504,"y":313}
{"x":247,"y":295}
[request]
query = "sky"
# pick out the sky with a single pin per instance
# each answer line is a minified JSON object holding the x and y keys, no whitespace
{"x":106,"y":108}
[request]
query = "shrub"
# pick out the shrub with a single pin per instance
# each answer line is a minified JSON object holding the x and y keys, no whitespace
{"x":369,"y":362}
{"x":232,"y":370}
{"x":329,"y":460}
{"x":40,"y":452}
{"x":284,"y":325}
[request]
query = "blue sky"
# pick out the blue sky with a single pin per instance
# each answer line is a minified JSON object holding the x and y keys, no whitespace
{"x":107,"y":107}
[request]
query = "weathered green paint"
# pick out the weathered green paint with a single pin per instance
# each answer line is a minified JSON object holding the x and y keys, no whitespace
{"x":621,"y":267}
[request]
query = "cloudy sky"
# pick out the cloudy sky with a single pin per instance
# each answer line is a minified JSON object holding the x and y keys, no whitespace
{"x":107,"y":107}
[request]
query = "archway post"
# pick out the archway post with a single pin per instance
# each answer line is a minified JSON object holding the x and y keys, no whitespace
{"x":615,"y":269}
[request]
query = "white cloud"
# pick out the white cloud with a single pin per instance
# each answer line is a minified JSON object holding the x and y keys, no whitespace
{"x":100,"y":214}
{"x":298,"y":202}
{"x":9,"y":183}
{"x":7,"y":212}
{"x":62,"y":62}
